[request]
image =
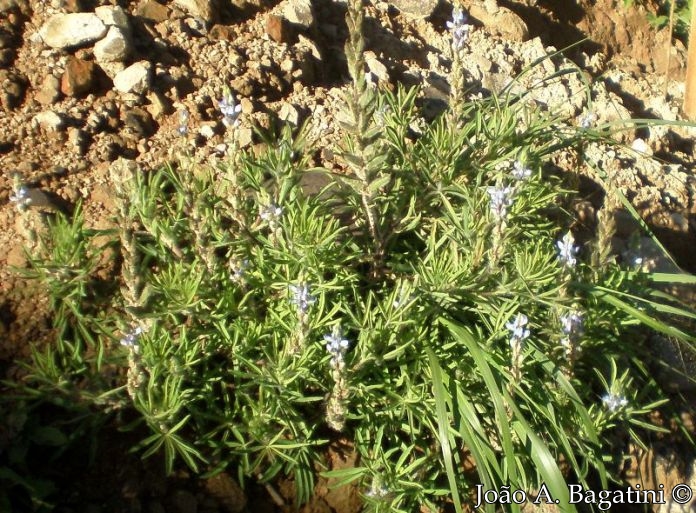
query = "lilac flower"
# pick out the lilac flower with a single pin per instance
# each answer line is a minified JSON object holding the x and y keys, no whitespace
{"x":501,"y":199}
{"x":271,"y":213}
{"x":520,"y":171}
{"x":567,"y":250}
{"x":131,"y":339}
{"x":614,"y":402}
{"x":183,"y":122}
{"x":587,"y":120}
{"x":21,"y":197}
{"x":230,"y":109}
{"x":459,"y":28}
{"x":301,"y":297}
{"x":337,"y":346}
{"x":571,"y":324}
{"x":517,"y":327}
{"x":238,"y":271}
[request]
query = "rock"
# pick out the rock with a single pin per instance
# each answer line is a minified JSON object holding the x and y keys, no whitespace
{"x":134,"y":79}
{"x":49,"y":121}
{"x":287,"y":65}
{"x":207,"y":131}
{"x":114,"y":47}
{"x":299,"y":12}
{"x":416,"y":8}
{"x":376,"y":67}
{"x":222,"y":32}
{"x":12,"y":89}
{"x":49,"y":92}
{"x":113,"y":16}
{"x":112,"y":68}
{"x":78,"y":78}
{"x":207,"y":10}
{"x":140,"y":121}
{"x":244,"y":136}
{"x":153,"y":11}
{"x":196,"y":26}
{"x":70,"y":30}
{"x":225,"y":490}
{"x":159,"y":105}
{"x":243,"y":85}
{"x":501,"y":20}
{"x":247,"y":106}
{"x":289,"y":113}
{"x":277,"y":29}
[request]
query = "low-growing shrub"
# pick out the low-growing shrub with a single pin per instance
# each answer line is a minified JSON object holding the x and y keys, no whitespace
{"x":430,"y":307}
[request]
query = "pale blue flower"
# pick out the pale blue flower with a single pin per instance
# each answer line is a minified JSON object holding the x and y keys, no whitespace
{"x":301,"y":297}
{"x":239,"y":270}
{"x":271,"y":213}
{"x":131,"y":339}
{"x":459,"y":28}
{"x":587,"y":120}
{"x":520,"y":171}
{"x":517,"y":327}
{"x":567,"y":250}
{"x":572,"y":324}
{"x":183,"y":122}
{"x":230,"y":109}
{"x":337,"y":346}
{"x":614,"y":402}
{"x":21,"y":197}
{"x":501,"y":199}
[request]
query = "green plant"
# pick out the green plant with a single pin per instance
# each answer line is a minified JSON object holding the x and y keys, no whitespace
{"x":682,"y":15}
{"x":430,"y":305}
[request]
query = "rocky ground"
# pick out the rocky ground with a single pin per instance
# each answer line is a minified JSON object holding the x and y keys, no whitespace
{"x":84,"y":82}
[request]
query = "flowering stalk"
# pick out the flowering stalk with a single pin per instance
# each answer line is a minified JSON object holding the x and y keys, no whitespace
{"x":500,"y":199}
{"x":21,"y":197}
{"x":363,"y":153}
{"x":572,"y":328}
{"x":606,"y":228}
{"x":460,"y":33}
{"x":302,"y":300}
{"x":136,"y":373}
{"x":122,"y":178}
{"x":337,"y":346}
{"x":519,"y":333}
{"x":567,"y":252}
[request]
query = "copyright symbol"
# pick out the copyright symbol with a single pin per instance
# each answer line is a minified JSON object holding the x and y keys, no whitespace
{"x":681,"y":494}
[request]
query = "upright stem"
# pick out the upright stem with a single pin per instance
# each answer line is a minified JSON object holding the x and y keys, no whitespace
{"x":362,"y":106}
{"x":690,"y":96}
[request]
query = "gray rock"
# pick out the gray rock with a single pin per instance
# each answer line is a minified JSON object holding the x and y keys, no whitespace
{"x":378,"y":69}
{"x":299,"y":12}
{"x":205,"y":9}
{"x":70,"y":30}
{"x":113,"y":16}
{"x":134,"y":79}
{"x":416,"y":8}
{"x":114,"y":47}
